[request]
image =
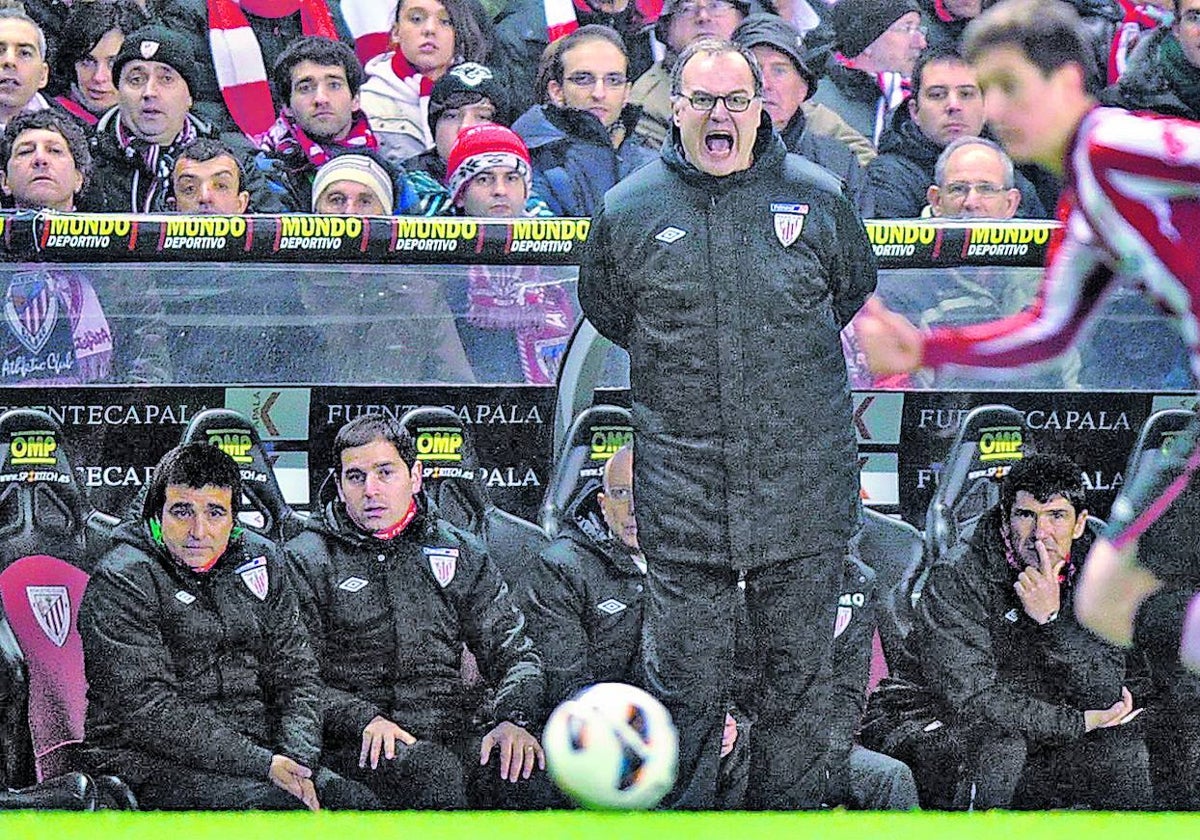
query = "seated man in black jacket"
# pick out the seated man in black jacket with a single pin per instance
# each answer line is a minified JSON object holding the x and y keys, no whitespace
{"x":203,"y":691}
{"x":1039,"y":704}
{"x":391,"y":593}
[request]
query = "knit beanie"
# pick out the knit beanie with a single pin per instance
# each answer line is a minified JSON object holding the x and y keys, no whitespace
{"x":857,"y":23}
{"x":482,"y":147}
{"x":765,"y":30}
{"x":466,"y":84}
{"x":361,"y":170}
{"x":157,"y":43}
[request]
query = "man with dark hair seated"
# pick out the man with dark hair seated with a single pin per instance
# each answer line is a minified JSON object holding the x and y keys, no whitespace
{"x":208,"y":178}
{"x":203,"y":691}
{"x":391,"y":593}
{"x":1039,"y":704}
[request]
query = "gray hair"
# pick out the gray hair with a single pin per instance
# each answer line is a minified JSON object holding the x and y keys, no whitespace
{"x":939,"y":168}
{"x":18,"y":13}
{"x":714,"y":46}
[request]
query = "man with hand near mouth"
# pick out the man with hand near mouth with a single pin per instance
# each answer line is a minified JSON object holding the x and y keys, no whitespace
{"x":1033,"y":696}
{"x":727,"y":269}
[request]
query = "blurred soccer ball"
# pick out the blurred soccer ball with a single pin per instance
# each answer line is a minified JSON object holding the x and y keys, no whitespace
{"x":612,"y":746}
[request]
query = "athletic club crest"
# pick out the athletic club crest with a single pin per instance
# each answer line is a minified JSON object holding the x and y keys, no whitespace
{"x":443,"y":562}
{"x":31,"y":309}
{"x":51,"y":607}
{"x":844,"y":614}
{"x":789,"y":221}
{"x":254,"y":575}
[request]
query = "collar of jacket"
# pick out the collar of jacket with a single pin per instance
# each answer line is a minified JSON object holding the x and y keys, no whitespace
{"x":137,"y":534}
{"x":794,"y":130}
{"x":106,"y":127}
{"x":854,"y":84}
{"x":604,"y":545}
{"x":584,"y":125}
{"x":905,"y":138}
{"x":334,"y":522}
{"x":769,"y":152}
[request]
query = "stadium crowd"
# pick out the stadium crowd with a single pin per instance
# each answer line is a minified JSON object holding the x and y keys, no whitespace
{"x":315,"y":671}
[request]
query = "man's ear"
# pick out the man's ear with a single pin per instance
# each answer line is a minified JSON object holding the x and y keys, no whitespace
{"x":1080,"y":524}
{"x":4,"y":183}
{"x":932,"y":196}
{"x":555,"y":91}
{"x":243,"y":201}
{"x":1013,"y":201}
{"x":418,"y":475}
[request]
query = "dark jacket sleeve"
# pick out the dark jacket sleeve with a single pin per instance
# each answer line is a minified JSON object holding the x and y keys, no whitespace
{"x":852,"y":269}
{"x":960,"y":666}
{"x":900,"y":187}
{"x":129,"y":667}
{"x":292,"y":675}
{"x":602,"y":294}
{"x":496,"y":633}
{"x":554,"y":603}
{"x":345,"y":713}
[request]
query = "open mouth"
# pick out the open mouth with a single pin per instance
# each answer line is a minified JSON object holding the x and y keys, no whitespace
{"x":718,"y":143}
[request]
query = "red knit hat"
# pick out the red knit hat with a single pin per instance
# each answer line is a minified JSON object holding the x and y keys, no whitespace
{"x":482,"y":147}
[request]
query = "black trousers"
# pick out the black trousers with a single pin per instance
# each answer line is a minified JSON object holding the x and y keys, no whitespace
{"x":1107,"y":769}
{"x":424,"y":776}
{"x":688,"y":644}
{"x":170,"y":787}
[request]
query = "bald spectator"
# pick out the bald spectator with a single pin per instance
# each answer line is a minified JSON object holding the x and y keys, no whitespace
{"x":23,"y":67}
{"x":877,"y":43}
{"x":974,"y":180}
{"x":946,"y":103}
{"x":580,"y":141}
{"x":788,"y":85}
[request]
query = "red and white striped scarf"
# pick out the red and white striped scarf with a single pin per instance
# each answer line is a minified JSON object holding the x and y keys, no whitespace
{"x":370,"y":21}
{"x":287,"y":139}
{"x":238,"y":59}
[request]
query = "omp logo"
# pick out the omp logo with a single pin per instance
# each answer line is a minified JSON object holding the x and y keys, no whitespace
{"x":442,"y":443}
{"x":235,"y":443}
{"x":36,"y":447}
{"x":606,"y":440}
{"x":1001,"y":443}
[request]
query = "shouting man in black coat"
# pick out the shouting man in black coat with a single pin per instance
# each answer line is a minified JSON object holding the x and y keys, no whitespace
{"x":727,"y":269}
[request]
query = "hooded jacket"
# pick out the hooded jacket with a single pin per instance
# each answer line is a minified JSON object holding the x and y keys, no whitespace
{"x":574,"y":162}
{"x":389,"y":619}
{"x":584,"y":603}
{"x":989,"y":662}
{"x":212,"y":670}
{"x":741,"y":406}
{"x":835,"y":156}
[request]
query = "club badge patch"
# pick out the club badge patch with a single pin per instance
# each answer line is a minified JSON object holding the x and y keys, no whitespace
{"x":844,"y":614}
{"x":51,"y":607}
{"x":789,"y":221}
{"x":443,"y":562}
{"x":31,"y":309}
{"x":254,"y":575}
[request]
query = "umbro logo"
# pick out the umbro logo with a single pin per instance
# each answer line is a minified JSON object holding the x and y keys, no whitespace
{"x":612,"y":606}
{"x":352,"y":584}
{"x":670,"y":234}
{"x":184,"y":597}
{"x":1011,"y":616}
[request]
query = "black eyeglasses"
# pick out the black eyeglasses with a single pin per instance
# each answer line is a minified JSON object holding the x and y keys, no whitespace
{"x":588,"y":80}
{"x":734,"y":102}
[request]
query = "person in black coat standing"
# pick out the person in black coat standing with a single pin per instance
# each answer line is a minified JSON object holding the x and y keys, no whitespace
{"x":727,"y":269}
